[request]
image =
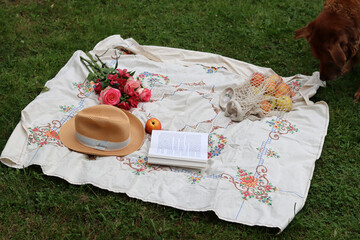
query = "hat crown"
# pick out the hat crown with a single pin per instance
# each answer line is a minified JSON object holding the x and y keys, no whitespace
{"x":105,"y":123}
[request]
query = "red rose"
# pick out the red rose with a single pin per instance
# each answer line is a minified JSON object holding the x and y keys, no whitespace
{"x":98,"y":87}
{"x":133,"y":101}
{"x":124,"y":105}
{"x":121,"y":72}
{"x":112,"y":77}
{"x":122,"y":83}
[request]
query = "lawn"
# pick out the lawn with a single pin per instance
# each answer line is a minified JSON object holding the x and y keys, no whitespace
{"x":38,"y":37}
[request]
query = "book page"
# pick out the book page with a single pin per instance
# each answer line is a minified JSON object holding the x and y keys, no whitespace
{"x":179,"y":145}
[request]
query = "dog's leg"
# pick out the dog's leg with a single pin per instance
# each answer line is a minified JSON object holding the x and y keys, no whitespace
{"x":357,"y":95}
{"x":348,"y":66}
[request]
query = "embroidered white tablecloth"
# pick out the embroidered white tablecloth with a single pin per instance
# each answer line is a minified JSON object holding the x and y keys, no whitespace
{"x":259,"y":172}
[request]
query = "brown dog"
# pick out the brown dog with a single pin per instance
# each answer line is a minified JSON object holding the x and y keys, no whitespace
{"x":334,"y":38}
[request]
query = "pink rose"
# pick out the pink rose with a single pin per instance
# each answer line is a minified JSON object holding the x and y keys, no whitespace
{"x":110,"y":96}
{"x":144,"y":94}
{"x":137,"y":80}
{"x":130,"y":87}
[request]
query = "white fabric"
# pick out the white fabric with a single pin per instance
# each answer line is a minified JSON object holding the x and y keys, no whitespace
{"x":101,"y":144}
{"x":259,"y":172}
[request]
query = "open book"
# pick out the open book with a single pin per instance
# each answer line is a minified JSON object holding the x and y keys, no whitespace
{"x":181,"y":149}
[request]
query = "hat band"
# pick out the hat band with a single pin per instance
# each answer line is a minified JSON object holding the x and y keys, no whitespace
{"x":100,"y":144}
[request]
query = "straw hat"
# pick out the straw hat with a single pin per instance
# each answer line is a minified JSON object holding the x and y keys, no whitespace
{"x":103,"y":130}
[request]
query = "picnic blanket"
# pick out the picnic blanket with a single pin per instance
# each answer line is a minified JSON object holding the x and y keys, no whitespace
{"x":259,"y":172}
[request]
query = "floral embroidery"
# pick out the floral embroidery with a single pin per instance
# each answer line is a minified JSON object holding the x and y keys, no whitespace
{"x":269,"y":153}
{"x":250,"y":185}
{"x":66,"y":109}
{"x":280,"y":127}
{"x":84,"y":88}
{"x":253,"y":185}
{"x":120,"y":52}
{"x":266,"y":200}
{"x":194,"y":178}
{"x":153,"y":78}
{"x":124,"y":51}
{"x":249,"y":181}
{"x":216,"y":144}
{"x":140,"y":165}
{"x":295,"y":84}
{"x":211,"y":70}
{"x":194,"y":84}
{"x":43,"y":135}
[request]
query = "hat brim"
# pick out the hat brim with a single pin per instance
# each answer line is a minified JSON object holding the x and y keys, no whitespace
{"x":137,"y":131}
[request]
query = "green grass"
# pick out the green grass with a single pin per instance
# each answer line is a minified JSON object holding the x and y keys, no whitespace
{"x":38,"y":37}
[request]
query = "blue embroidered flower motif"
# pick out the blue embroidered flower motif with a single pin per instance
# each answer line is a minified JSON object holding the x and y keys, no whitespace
{"x":216,"y":144}
{"x":195,"y":178}
{"x":153,"y":78}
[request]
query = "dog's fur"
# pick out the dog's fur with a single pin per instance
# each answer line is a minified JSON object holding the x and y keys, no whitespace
{"x":334,"y":38}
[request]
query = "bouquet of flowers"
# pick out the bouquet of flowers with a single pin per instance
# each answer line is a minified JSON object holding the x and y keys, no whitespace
{"x":114,"y":86}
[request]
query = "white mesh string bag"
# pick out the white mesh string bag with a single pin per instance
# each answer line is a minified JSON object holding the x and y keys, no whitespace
{"x":258,"y":97}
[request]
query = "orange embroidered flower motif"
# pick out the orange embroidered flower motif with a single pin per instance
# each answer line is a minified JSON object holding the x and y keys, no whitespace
{"x":140,"y":165}
{"x":52,"y":134}
{"x":282,"y":126}
{"x":249,"y":181}
{"x":140,"y":161}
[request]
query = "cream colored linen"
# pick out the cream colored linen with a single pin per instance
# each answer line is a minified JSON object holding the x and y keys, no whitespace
{"x":259,"y":172}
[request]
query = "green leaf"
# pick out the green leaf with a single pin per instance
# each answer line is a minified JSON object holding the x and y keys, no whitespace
{"x":91,"y":76}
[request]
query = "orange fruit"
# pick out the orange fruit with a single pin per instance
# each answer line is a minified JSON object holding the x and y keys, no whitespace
{"x":265,"y":106}
{"x":257,"y":79}
{"x":277,"y":79}
{"x":282,"y":90}
{"x":270,"y":86}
